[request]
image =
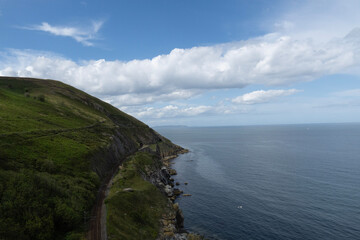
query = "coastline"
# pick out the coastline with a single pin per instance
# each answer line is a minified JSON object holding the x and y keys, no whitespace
{"x":172,"y":223}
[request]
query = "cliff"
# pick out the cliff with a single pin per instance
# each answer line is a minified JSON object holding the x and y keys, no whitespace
{"x":58,"y":147}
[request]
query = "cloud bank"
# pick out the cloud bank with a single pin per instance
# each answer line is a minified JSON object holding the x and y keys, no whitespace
{"x":270,"y":60}
{"x":81,"y":35}
{"x":179,"y":111}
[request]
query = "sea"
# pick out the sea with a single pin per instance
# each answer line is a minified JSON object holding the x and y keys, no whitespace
{"x":270,"y":182}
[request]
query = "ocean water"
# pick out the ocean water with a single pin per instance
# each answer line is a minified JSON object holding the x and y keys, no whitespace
{"x":270,"y":182}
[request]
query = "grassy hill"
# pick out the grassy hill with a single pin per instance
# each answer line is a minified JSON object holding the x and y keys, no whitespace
{"x":57,"y":144}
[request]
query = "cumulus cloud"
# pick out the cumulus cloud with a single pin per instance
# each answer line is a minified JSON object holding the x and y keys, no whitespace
{"x":172,"y":111}
{"x":272,"y":60}
{"x":148,"y":98}
{"x":262,"y":96}
{"x":81,"y":35}
{"x":175,"y":111}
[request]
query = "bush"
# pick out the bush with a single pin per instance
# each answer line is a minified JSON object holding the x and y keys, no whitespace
{"x":41,"y":98}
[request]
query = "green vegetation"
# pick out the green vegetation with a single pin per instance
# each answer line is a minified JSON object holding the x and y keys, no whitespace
{"x":135,"y":214}
{"x":49,"y":133}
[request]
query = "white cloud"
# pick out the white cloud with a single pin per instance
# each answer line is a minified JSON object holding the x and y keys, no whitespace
{"x":81,"y":35}
{"x":262,"y":96}
{"x":178,"y":111}
{"x":172,"y":111}
{"x":183,"y":73}
{"x":148,"y":98}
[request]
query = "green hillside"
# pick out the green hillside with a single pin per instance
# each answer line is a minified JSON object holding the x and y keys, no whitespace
{"x":57,"y":144}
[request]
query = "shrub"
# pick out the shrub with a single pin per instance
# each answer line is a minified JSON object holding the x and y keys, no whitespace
{"x":41,"y":98}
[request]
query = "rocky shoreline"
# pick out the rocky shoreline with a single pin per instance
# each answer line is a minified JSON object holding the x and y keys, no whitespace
{"x":172,"y":221}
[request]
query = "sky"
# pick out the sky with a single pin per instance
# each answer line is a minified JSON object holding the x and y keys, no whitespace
{"x":194,"y":62}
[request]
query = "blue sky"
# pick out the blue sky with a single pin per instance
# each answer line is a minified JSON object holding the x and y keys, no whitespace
{"x":198,"y":62}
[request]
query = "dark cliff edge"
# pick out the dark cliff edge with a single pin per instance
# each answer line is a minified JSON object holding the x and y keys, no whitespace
{"x":58,"y":148}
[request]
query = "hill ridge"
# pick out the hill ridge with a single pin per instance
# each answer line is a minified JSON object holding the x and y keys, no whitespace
{"x":57,"y":146}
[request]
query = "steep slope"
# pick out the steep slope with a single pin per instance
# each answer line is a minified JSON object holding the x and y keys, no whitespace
{"x":57,"y":145}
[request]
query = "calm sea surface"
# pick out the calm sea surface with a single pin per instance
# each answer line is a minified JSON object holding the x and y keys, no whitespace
{"x":270,"y":182}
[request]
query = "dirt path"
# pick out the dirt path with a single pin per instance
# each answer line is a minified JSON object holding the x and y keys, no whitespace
{"x":103,"y":209}
{"x":46,"y":133}
{"x":97,"y":229}
{"x":95,"y":222}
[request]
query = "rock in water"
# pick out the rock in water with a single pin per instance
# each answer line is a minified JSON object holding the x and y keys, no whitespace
{"x":177,"y":191}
